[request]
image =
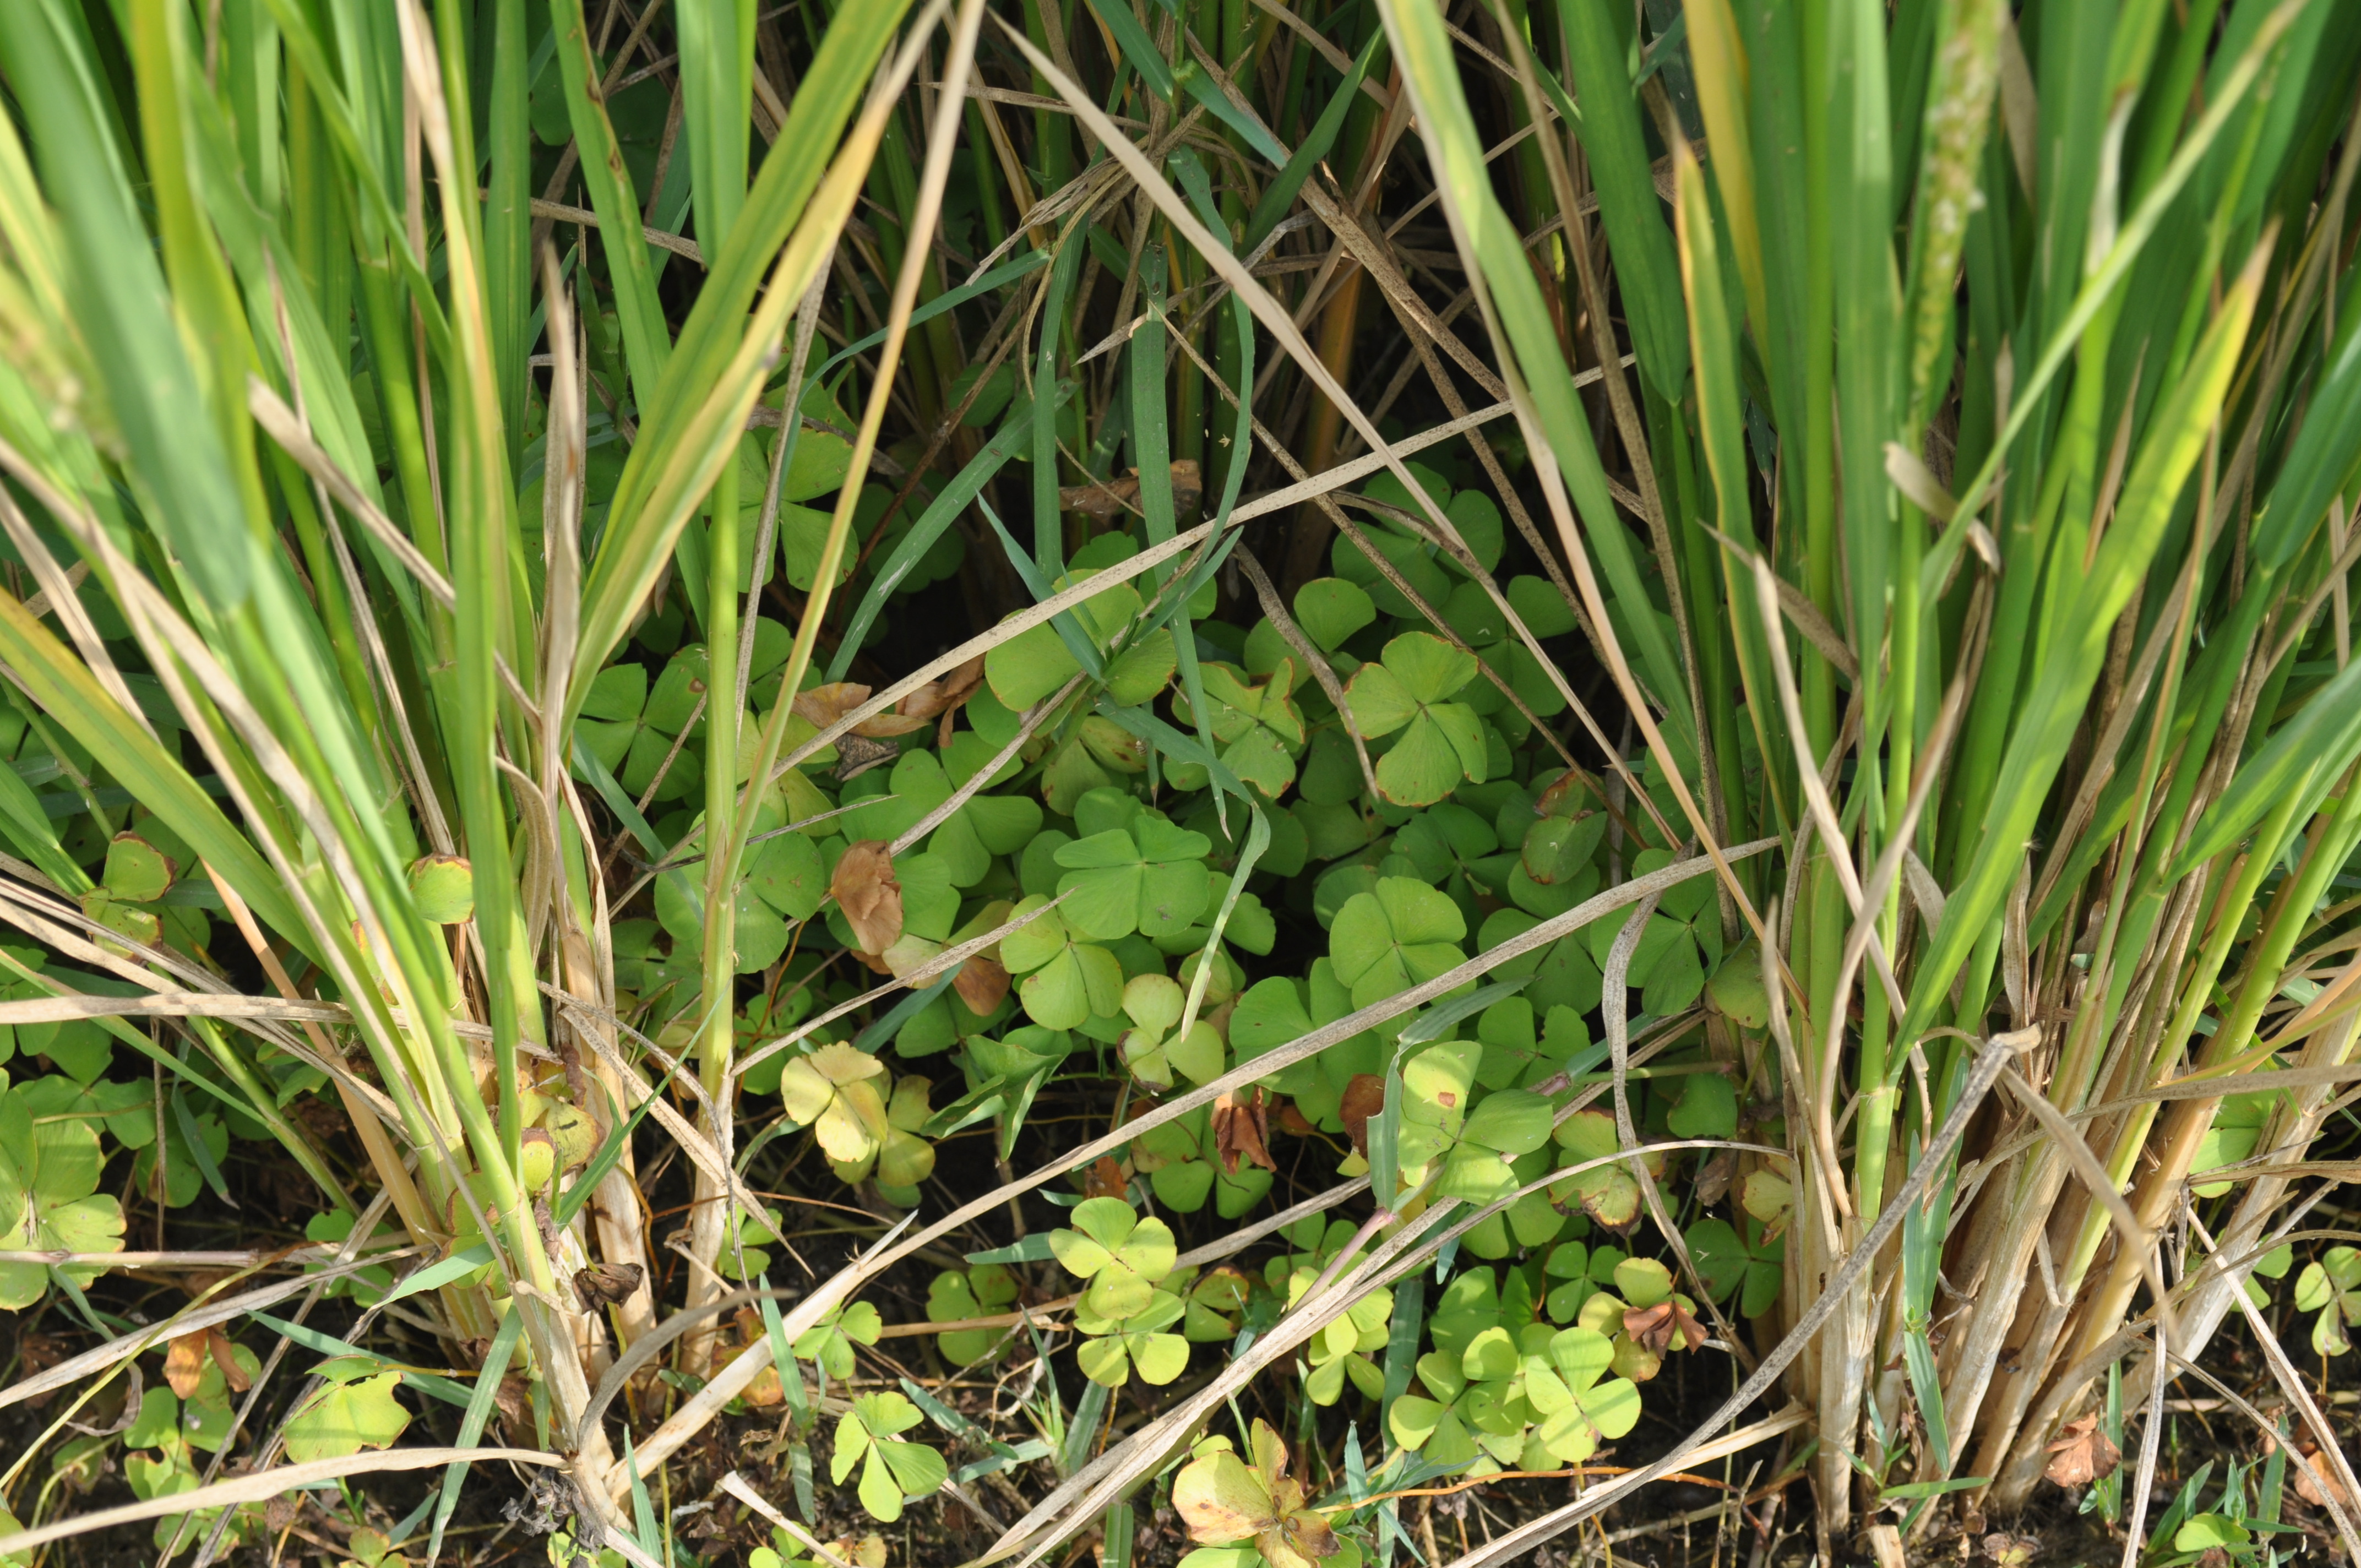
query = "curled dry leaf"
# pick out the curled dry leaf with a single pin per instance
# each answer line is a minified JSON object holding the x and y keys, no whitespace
{"x":1242,"y":1128}
{"x":868,"y":1551}
{"x":2010,"y":1550}
{"x":942,"y":694}
{"x":612,"y":1283}
{"x":184,"y":1362}
{"x":2316,"y":1479}
{"x":1365,"y":1096}
{"x":1105,"y":1179}
{"x":1114,"y":498}
{"x":824,"y":706}
{"x":2083,"y":1454}
{"x":857,"y":754}
{"x":870,"y":894}
{"x":982,"y":983}
{"x":1713,"y":1179}
{"x":1653,"y":1327}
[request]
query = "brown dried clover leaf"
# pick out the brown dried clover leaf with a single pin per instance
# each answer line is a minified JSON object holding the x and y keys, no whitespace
{"x":870,"y":894}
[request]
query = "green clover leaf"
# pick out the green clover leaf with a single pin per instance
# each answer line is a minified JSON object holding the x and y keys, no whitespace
{"x":1729,"y":1266}
{"x":1214,"y":1304}
{"x":1067,"y":981}
{"x":1036,"y":662}
{"x":1149,"y":877}
{"x":1121,"y":1254}
{"x":1507,"y":1124}
{"x":1115,"y":1346}
{"x":49,"y":1196}
{"x":890,"y":1471}
{"x":1330,"y":609}
{"x":829,"y":1343}
{"x":1256,"y":725}
{"x":1440,"y":741}
{"x":1707,"y":1108}
{"x":1398,"y":934}
{"x":978,"y":1292}
{"x":1578,"y":1410}
{"x":136,"y":871}
{"x":351,"y":1412}
{"x":1155,"y":1003}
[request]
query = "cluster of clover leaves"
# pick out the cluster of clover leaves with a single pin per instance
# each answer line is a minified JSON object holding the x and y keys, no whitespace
{"x":1199,"y":855}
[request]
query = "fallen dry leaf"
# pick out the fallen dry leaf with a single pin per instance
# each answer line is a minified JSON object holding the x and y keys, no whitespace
{"x":608,"y":1282}
{"x":1113,"y":497}
{"x":513,"y":1400}
{"x":870,"y":894}
{"x":2316,"y":1481}
{"x":868,"y":1552}
{"x":981,"y":982}
{"x":943,"y":695}
{"x":2010,"y":1551}
{"x":1242,"y":1128}
{"x":2083,"y":1454}
{"x":184,"y":1362}
{"x":1365,"y":1096}
{"x":1290,"y":1119}
{"x":1652,"y":1328}
{"x":828,"y":705}
{"x":1105,"y":1179}
{"x":857,"y":754}
{"x":1714,"y":1177}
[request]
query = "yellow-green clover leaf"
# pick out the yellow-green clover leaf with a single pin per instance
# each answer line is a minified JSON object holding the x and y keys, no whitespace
{"x":1576,"y":1410}
{"x":902,"y":1157}
{"x":1120,"y":1253}
{"x":829,"y":1343}
{"x":2331,"y":1286}
{"x":1436,"y":1085}
{"x":1609,"y":1193}
{"x":831,"y":1092}
{"x":353,"y":1409}
{"x":1341,"y":1350}
{"x":1113,"y":1346}
{"x":1155,"y":1003}
{"x":891,"y":1470}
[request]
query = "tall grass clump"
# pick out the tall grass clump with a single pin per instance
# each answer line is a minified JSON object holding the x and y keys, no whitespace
{"x":1468,"y":701}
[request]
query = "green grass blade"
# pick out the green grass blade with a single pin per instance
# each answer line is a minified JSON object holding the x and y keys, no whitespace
{"x":2054,"y":705}
{"x":471,"y":1425}
{"x":1628,"y":206}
